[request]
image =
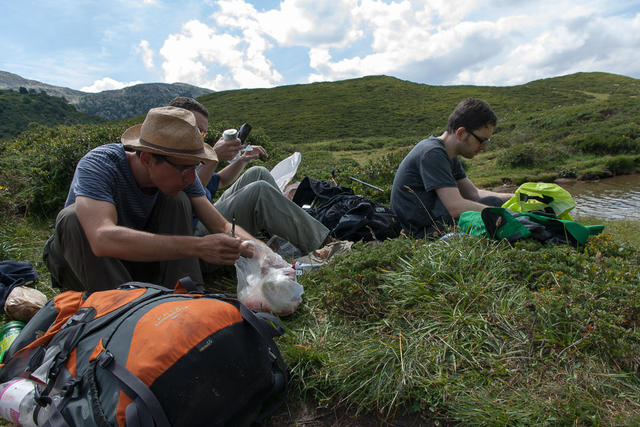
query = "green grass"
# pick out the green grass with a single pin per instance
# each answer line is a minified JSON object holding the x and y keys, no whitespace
{"x":474,"y":331}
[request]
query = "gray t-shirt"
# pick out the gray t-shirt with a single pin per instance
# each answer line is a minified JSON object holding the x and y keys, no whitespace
{"x":426,"y":168}
{"x":104,"y":174}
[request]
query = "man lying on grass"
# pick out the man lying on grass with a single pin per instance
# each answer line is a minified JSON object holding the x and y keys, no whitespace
{"x":430,"y":189}
{"x":128,"y":214}
{"x":253,"y":197}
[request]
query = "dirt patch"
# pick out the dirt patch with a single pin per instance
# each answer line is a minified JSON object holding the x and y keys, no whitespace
{"x":306,"y":414}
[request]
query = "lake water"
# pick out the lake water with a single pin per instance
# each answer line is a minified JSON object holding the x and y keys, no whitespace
{"x":610,"y":198}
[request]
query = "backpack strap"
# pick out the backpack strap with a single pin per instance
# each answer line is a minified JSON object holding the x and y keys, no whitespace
{"x":133,"y":386}
{"x":136,"y":418}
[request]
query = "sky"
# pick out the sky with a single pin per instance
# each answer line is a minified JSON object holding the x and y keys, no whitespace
{"x":234,"y":44}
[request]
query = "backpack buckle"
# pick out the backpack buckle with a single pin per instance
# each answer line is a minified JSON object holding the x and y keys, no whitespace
{"x":105,"y":359}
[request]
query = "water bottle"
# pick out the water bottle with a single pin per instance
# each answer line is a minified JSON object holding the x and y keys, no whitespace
{"x":17,"y":403}
{"x":8,"y":333}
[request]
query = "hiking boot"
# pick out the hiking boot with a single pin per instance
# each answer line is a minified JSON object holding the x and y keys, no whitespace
{"x":326,"y":252}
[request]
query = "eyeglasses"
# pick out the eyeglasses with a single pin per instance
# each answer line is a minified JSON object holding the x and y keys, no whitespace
{"x":183,"y":169}
{"x":203,"y":133}
{"x":480,"y":140}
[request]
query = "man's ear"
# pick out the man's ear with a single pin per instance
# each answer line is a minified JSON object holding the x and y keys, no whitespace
{"x":146,"y":159}
{"x":460,"y":133}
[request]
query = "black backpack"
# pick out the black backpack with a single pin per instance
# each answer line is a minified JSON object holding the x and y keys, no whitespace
{"x":357,"y":218}
{"x":348,"y":216}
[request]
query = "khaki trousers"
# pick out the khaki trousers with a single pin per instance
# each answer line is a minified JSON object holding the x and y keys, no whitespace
{"x":258,"y":204}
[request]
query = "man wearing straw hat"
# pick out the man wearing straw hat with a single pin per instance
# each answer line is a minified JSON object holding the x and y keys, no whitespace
{"x":128,"y":214}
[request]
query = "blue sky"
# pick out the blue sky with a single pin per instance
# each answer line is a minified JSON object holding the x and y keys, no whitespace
{"x":232,"y":44}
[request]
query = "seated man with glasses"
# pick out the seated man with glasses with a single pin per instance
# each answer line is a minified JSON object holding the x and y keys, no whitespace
{"x":128,"y":213}
{"x":430,"y":189}
{"x":252,"y":198}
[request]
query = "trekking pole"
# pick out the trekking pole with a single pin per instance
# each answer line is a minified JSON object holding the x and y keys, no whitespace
{"x":366,"y":183}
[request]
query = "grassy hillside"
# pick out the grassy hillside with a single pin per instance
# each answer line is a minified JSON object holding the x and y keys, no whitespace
{"x":585,"y":125}
{"x":18,"y":109}
{"x":385,"y":106}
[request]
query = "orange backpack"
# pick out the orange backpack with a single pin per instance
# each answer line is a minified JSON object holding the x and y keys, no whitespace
{"x":143,"y":355}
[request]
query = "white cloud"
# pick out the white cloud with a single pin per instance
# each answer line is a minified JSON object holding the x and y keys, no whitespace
{"x":493,"y":42}
{"x":107,"y":84}
{"x":240,"y":59}
{"x":444,"y":42}
{"x":147,"y":54}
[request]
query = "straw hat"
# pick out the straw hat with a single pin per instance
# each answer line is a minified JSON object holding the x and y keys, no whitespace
{"x":170,"y":131}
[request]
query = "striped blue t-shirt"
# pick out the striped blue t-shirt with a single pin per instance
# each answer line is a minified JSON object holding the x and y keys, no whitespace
{"x":104,"y":174}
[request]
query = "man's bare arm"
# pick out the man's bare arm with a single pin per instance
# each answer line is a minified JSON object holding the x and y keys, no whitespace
{"x":107,"y":239}
{"x":455,"y":203}
{"x":470,"y":192}
{"x":99,"y":222}
{"x":230,"y":173}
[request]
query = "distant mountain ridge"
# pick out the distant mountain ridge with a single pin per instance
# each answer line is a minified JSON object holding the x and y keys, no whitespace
{"x":109,"y":104}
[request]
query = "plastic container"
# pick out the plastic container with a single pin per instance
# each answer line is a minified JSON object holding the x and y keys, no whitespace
{"x":8,"y":334}
{"x":17,"y":403}
{"x":230,"y":134}
{"x":303,"y":267}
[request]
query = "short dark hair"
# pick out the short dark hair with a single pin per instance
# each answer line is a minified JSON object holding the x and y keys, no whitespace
{"x":189,"y":104}
{"x":471,"y":114}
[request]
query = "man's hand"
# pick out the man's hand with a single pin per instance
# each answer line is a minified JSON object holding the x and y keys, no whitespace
{"x":221,"y":249}
{"x":226,"y":149}
{"x":256,"y":152}
{"x":247,"y":249}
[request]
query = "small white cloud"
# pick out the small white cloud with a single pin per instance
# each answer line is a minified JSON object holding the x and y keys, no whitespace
{"x":147,"y":54}
{"x":107,"y":84}
{"x":151,"y":2}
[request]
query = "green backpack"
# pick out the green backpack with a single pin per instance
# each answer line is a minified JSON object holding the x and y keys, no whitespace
{"x":542,"y":196}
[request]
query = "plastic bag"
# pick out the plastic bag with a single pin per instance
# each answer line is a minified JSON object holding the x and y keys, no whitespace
{"x":23,"y":302}
{"x":267,"y":282}
{"x":284,"y":171}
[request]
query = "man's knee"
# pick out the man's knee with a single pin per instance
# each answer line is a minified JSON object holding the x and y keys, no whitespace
{"x":67,"y":224}
{"x":257,"y":173}
{"x":262,"y":190}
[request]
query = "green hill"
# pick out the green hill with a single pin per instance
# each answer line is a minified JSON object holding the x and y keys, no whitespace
{"x":385,"y":106}
{"x":109,"y":104}
{"x":18,"y":109}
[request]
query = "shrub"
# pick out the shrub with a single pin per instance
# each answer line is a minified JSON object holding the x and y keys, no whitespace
{"x":621,"y":165}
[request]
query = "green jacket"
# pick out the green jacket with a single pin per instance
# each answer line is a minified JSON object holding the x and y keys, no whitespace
{"x":499,"y":223}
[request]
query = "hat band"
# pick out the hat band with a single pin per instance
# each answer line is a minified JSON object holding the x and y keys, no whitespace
{"x":171,"y":150}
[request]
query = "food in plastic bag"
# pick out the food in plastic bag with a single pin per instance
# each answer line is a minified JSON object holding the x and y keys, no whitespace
{"x":284,"y":171}
{"x":23,"y":302}
{"x":267,"y":282}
